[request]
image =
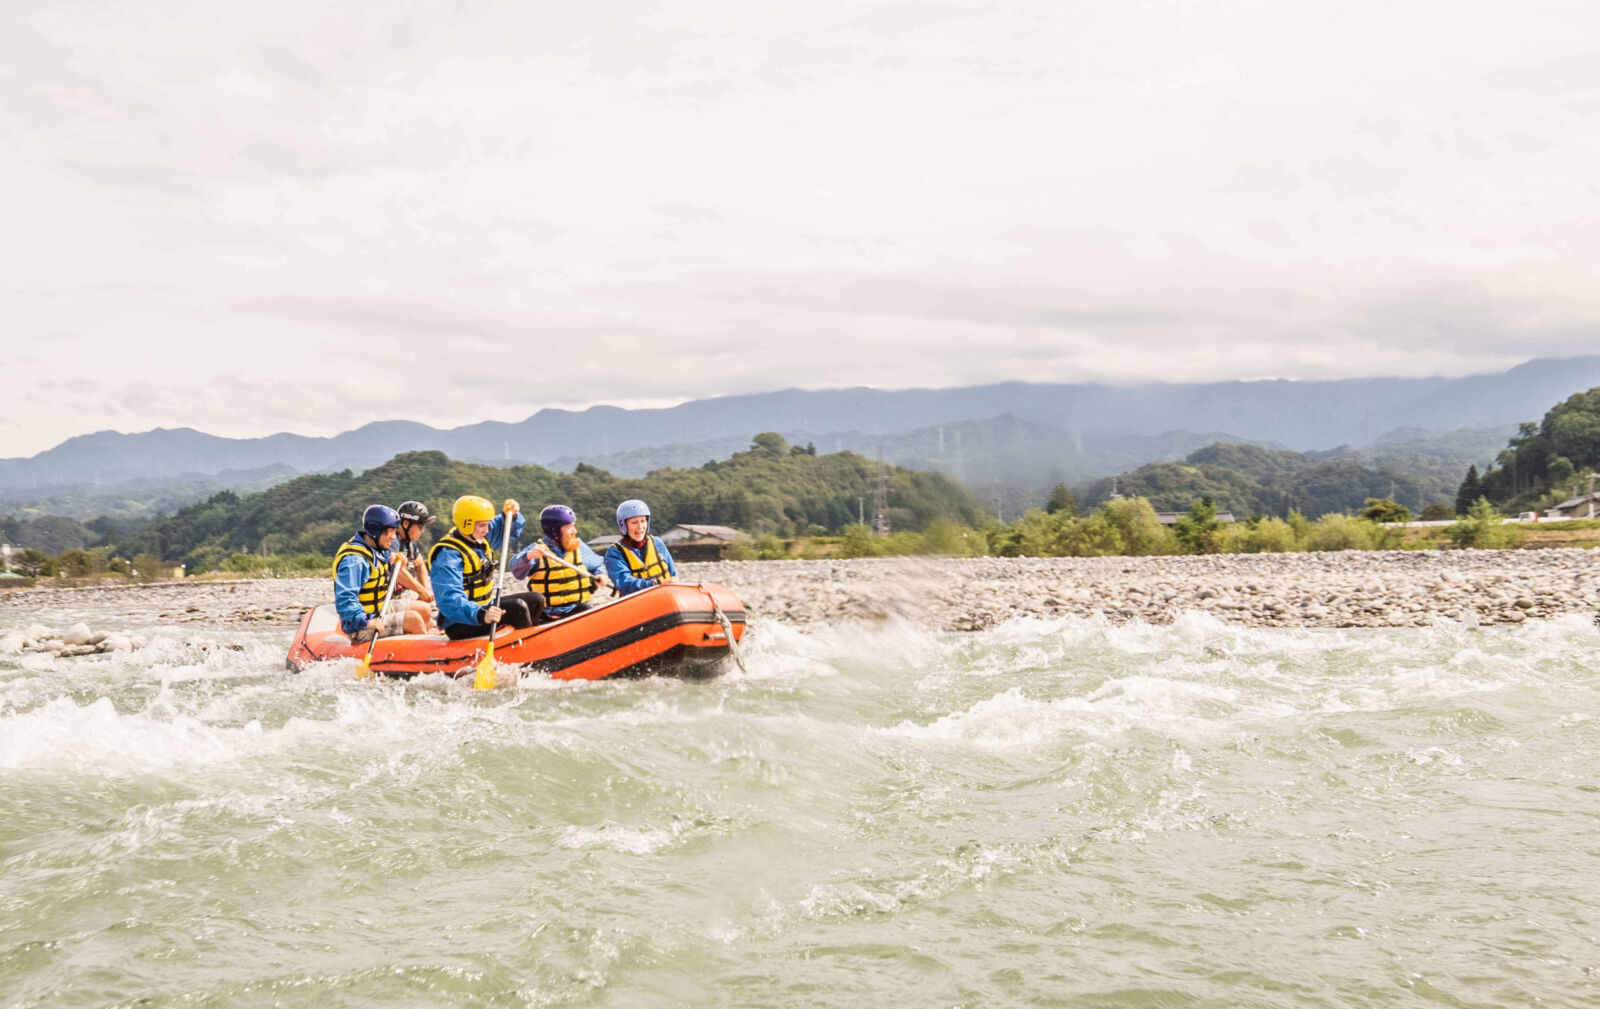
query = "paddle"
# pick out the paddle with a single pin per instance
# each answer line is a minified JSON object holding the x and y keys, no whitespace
{"x":568,"y":564}
{"x":486,"y":679}
{"x":364,"y":671}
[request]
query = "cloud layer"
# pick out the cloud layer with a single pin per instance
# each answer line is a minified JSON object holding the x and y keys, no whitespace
{"x":291,"y":217}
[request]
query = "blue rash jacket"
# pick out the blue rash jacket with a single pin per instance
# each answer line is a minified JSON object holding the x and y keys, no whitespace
{"x":522,"y":566}
{"x":446,"y":574}
{"x":352,"y":573}
{"x":622,"y":576}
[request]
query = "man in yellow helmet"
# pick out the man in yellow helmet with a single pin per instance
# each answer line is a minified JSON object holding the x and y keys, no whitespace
{"x":462,"y":566}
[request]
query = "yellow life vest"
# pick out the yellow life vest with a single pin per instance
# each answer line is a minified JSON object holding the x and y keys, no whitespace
{"x":477,"y":570}
{"x":562,"y":586}
{"x":649,"y":566}
{"x":376,"y":586}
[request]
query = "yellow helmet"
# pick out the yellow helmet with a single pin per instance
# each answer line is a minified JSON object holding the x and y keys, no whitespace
{"x":470,"y":508}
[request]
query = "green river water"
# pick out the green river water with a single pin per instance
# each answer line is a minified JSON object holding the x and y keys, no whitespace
{"x":1061,"y":813}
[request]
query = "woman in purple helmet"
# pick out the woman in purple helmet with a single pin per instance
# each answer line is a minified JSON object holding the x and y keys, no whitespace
{"x":559,"y":565}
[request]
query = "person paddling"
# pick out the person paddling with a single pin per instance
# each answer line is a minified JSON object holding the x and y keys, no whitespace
{"x":639,"y":560}
{"x":560,"y":566}
{"x":362,"y":569}
{"x":413,"y":568}
{"x":463,"y":567}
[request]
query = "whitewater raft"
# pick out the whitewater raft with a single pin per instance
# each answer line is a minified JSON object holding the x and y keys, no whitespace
{"x":674,"y":629}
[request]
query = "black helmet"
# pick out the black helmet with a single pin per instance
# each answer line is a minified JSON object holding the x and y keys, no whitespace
{"x":416,"y":512}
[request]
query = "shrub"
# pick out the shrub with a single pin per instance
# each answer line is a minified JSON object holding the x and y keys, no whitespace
{"x":858,"y":541}
{"x":1341,"y":532}
{"x":944,"y":537}
{"x":75,"y":564}
{"x":1483,"y":529}
{"x":741,"y":550}
{"x":148,"y":567}
{"x":1263,"y":536}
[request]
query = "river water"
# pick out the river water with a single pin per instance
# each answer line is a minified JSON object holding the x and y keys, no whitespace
{"x":1062,"y":813}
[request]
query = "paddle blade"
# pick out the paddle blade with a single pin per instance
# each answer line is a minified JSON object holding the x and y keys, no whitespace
{"x":486,"y":679}
{"x":364,"y":671}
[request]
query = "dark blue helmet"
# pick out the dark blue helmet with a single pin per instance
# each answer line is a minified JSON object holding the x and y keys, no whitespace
{"x":377,"y":518}
{"x":553,"y":518}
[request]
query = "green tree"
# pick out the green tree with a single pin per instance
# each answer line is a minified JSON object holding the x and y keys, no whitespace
{"x":1138,"y":528}
{"x":1382,"y":509}
{"x":1061,"y":500}
{"x":1199,"y":531}
{"x":1438,"y":511}
{"x":35,"y":563}
{"x":1561,"y":470}
{"x":1471,"y":490}
{"x":770,"y":443}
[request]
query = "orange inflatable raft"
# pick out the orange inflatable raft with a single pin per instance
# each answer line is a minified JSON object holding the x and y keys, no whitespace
{"x":675,"y":629}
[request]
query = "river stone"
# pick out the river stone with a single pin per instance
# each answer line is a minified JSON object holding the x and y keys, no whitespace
{"x":11,"y":644}
{"x":38,"y":632}
{"x":98,"y":636}
{"x":116,"y":643}
{"x":77,"y":634}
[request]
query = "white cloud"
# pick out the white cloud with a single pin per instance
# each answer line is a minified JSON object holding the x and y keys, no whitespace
{"x":237,"y":210}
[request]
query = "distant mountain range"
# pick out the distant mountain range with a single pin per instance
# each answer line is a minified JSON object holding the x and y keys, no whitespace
{"x":1016,"y":434}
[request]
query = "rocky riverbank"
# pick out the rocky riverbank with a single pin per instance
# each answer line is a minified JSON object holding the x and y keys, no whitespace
{"x":1353,"y":589}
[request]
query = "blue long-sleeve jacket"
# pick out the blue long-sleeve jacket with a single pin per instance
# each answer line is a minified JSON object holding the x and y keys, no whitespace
{"x":447,"y":574}
{"x":352,"y":573}
{"x":622,"y":576}
{"x":522,"y":566}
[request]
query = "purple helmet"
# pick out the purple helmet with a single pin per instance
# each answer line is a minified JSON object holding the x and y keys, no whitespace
{"x":553,"y":518}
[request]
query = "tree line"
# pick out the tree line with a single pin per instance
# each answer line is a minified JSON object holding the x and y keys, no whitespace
{"x":772,"y":488}
{"x":1544,"y":463}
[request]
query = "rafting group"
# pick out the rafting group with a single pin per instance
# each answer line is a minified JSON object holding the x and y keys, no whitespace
{"x":453,"y":612}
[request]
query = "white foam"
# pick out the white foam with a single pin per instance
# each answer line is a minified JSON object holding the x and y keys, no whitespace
{"x":626,"y":840}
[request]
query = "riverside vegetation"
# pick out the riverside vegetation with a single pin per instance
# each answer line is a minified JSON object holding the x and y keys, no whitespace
{"x":797,"y":503}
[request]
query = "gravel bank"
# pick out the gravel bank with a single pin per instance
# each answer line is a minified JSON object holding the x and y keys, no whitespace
{"x":1355,"y":589}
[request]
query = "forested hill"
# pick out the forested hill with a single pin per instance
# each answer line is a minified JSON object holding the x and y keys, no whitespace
{"x":1251,"y":480}
{"x":773,"y":487}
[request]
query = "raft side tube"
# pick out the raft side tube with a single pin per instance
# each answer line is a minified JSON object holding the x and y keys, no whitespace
{"x":670,"y":629}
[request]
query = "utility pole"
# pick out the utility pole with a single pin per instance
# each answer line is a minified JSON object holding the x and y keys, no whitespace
{"x":861,"y":510}
{"x":880,"y":498}
{"x":1592,"y":477}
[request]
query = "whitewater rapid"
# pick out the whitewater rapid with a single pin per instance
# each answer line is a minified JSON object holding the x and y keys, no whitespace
{"x":1054,"y":811}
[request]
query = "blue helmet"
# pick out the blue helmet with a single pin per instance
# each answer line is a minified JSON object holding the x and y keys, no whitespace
{"x":553,"y":518}
{"x":629,"y":509}
{"x":377,"y":518}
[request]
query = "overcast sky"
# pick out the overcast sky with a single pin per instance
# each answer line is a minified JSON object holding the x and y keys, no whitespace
{"x":260,"y":217}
